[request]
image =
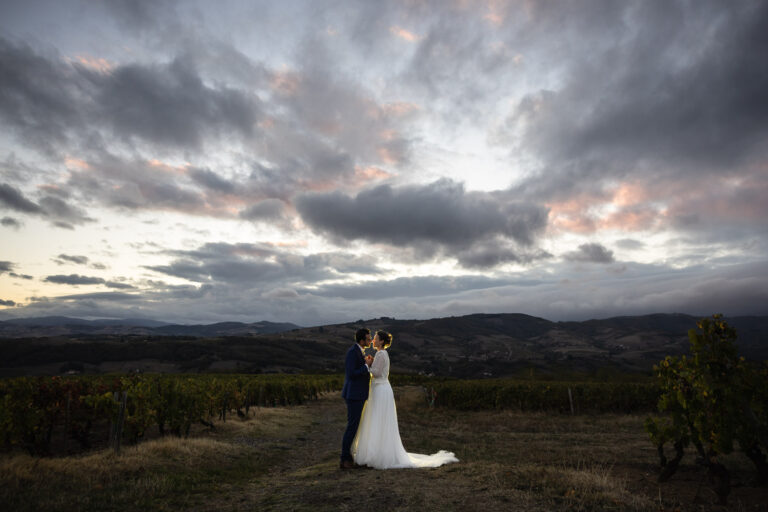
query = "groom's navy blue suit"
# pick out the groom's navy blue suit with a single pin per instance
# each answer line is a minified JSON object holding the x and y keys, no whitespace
{"x":355,"y":392}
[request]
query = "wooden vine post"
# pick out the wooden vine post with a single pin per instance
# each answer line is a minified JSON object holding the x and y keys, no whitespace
{"x":116,"y":427}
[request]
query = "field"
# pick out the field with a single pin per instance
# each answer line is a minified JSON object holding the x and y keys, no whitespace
{"x":286,"y":458}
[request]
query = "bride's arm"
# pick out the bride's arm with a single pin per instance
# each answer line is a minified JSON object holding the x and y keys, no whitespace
{"x":377,"y":368}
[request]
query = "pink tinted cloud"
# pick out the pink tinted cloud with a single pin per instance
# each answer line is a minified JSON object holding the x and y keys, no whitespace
{"x":630,"y":194}
{"x":573,"y":215}
{"x":97,"y":64}
{"x":75,"y":163}
{"x":725,"y":200}
{"x":365,"y":175}
{"x":637,"y":218}
{"x":404,"y":34}
{"x":285,"y":83}
{"x":399,"y":108}
{"x":152,"y":185}
{"x":638,"y":206}
{"x":159,"y":165}
{"x":626,"y":207}
{"x":388,"y":156}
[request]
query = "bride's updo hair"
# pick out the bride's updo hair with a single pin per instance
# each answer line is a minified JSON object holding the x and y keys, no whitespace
{"x":385,"y":337}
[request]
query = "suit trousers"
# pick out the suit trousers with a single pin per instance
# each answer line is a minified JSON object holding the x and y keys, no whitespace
{"x":354,"y":411}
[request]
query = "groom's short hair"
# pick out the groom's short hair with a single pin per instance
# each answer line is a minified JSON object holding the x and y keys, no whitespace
{"x":361,"y":334}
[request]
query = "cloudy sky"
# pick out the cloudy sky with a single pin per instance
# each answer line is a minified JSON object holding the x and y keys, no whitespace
{"x":323,"y":161}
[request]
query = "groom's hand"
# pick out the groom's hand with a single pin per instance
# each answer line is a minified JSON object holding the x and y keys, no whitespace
{"x":369,"y":360}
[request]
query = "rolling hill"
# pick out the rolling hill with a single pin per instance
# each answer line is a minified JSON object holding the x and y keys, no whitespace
{"x":66,"y":326}
{"x":479,"y":345}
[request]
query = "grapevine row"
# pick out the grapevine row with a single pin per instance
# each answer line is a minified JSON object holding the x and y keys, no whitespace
{"x":31,"y":408}
{"x":561,"y":397}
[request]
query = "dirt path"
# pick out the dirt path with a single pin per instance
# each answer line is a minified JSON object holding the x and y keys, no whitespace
{"x":304,"y":474}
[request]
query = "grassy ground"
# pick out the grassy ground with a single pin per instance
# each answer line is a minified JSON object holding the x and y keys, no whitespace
{"x":287,"y":459}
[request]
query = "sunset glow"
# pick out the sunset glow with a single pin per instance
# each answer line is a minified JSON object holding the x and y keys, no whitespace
{"x":317,"y":163}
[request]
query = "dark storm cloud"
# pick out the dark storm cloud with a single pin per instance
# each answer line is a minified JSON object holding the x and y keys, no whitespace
{"x":138,"y":184}
{"x":58,"y":211}
{"x":142,"y":15}
{"x":318,"y":126}
{"x":101,"y":296}
{"x":7,"y":303}
{"x":264,"y":264}
{"x":299,"y":161}
{"x":266,"y":210}
{"x":590,"y":253}
{"x":665,"y":96}
{"x":38,"y":99}
{"x":226,"y":263}
{"x":562,"y":294}
{"x":185,"y":269}
{"x":344,"y":263}
{"x":7,"y":266}
{"x":119,"y":286}
{"x":13,"y":198}
{"x":10,"y":222}
{"x":170,"y":104}
{"x":646,"y":101}
{"x":422,"y":286}
{"x":440,"y":215}
{"x":184,"y":291}
{"x":629,"y":243}
{"x":61,"y":259}
{"x":211,"y":180}
{"x":232,"y":263}
{"x":50,"y":102}
{"x":73,"y":279}
{"x":496,"y":252}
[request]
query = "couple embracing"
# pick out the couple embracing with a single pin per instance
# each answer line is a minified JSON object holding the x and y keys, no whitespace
{"x":372,"y":437}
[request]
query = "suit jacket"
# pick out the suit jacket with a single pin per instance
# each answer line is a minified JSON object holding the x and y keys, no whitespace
{"x":356,"y":375}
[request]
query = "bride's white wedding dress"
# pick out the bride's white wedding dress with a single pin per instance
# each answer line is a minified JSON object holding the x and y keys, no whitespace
{"x":377,"y":443}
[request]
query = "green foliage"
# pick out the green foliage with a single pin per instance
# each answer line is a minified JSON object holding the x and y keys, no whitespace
{"x":544,"y":395}
{"x":712,"y":399}
{"x":31,"y":407}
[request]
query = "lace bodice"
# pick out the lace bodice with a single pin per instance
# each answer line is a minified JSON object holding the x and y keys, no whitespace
{"x":380,"y":366}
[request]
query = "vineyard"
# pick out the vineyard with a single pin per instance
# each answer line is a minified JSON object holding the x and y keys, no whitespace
{"x":544,"y":396}
{"x":38,"y":411}
{"x":568,"y":443}
{"x":712,"y":400}
{"x":35,"y":410}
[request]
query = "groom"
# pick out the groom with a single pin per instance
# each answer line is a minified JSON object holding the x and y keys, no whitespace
{"x":355,"y":391}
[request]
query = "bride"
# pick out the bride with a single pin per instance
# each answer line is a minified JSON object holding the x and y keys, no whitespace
{"x":377,"y":443}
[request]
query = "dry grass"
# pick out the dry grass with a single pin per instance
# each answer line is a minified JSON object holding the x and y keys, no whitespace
{"x":164,"y":472}
{"x":287,"y":459}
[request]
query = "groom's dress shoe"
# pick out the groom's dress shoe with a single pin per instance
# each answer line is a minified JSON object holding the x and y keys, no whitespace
{"x":347,"y":464}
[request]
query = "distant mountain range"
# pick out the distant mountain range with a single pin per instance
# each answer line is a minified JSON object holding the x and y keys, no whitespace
{"x":66,"y":326}
{"x":480,"y":345}
{"x":47,"y":321}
